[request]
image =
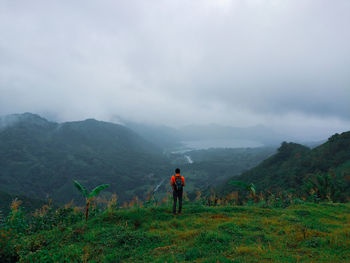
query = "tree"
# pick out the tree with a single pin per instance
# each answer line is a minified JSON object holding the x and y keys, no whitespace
{"x":326,"y":186}
{"x":89,"y":196}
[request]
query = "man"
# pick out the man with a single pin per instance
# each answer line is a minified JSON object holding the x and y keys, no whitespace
{"x":177,"y":182}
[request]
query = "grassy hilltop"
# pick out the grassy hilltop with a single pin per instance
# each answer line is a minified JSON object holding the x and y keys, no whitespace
{"x":300,"y":233}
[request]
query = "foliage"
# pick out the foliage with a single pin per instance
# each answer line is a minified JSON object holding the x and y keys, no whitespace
{"x":15,"y":219}
{"x":88,"y":196}
{"x":249,"y":187}
{"x":81,"y":188}
{"x":97,"y":190}
{"x":12,"y":229}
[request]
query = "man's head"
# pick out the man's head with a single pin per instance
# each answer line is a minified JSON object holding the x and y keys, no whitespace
{"x":177,"y":170}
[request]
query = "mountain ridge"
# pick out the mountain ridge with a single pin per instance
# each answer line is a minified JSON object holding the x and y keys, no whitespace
{"x":39,"y":158}
{"x":324,"y":170}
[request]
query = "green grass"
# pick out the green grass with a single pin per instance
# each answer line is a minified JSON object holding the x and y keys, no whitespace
{"x":301,"y":233}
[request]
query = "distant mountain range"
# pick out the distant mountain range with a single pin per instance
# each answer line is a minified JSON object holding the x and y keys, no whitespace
{"x":40,"y":159}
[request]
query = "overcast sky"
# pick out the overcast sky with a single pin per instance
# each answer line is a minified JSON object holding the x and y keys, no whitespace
{"x":281,"y":63}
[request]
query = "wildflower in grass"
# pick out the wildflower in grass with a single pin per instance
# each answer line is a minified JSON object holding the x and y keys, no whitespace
{"x":198,"y":195}
{"x":261,"y":196}
{"x":15,"y":204}
{"x":77,"y":210}
{"x":15,"y":222}
{"x":68,"y":205}
{"x":112,"y":203}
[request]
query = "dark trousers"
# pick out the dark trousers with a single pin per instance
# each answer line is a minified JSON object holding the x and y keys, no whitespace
{"x":177,"y":195}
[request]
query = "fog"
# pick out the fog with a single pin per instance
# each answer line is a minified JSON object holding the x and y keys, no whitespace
{"x":284,"y":64}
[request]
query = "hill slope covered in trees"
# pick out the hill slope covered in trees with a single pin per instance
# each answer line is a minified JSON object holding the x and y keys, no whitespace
{"x":40,"y":159}
{"x":323,"y":172}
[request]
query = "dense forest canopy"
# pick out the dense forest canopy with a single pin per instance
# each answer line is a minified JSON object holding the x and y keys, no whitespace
{"x":40,"y":159}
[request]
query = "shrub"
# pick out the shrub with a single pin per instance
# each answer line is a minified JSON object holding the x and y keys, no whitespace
{"x":8,"y":252}
{"x":15,"y":221}
{"x":13,"y":227}
{"x":53,"y":218}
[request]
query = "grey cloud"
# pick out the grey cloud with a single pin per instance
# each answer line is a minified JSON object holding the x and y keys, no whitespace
{"x":179,"y":62}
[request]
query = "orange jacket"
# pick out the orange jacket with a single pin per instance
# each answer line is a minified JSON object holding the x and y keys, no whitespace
{"x":172,"y":181}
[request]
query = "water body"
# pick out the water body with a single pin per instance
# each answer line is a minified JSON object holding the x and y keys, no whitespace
{"x":220,"y":143}
{"x":158,"y":185}
{"x":189,"y":159}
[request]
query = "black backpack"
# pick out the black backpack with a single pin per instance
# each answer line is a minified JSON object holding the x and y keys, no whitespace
{"x":178,"y":183}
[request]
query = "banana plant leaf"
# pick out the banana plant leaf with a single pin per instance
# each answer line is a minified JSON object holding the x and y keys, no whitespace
{"x":97,"y":190}
{"x":249,"y":187}
{"x":252,"y":188}
{"x":81,"y":188}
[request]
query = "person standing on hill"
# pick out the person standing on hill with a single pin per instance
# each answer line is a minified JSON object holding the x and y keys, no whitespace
{"x":177,"y":182}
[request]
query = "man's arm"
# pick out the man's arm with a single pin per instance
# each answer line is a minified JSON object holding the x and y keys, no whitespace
{"x":183,"y":180}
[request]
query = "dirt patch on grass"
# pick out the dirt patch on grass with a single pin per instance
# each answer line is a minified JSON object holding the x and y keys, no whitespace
{"x":219,"y":217}
{"x":162,"y":250}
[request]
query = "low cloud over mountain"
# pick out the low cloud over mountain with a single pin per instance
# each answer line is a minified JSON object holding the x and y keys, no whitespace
{"x":283,"y":64}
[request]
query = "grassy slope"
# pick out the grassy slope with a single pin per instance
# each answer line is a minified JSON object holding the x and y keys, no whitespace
{"x":302,"y":233}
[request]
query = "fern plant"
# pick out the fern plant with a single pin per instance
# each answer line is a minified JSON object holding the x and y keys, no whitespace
{"x":88,"y":196}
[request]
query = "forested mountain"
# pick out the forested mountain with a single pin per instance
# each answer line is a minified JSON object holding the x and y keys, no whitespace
{"x":40,"y":159}
{"x":323,"y":171}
